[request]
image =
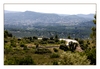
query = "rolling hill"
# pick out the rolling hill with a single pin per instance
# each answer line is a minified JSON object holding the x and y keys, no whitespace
{"x":29,"y":17}
{"x":31,"y":23}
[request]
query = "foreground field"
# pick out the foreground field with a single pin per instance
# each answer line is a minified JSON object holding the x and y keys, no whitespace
{"x":47,"y":51}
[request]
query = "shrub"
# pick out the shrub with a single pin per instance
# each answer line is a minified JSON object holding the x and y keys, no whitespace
{"x":44,"y":39}
{"x":55,"y":50}
{"x":7,"y":34}
{"x":62,"y":41}
{"x":28,"y":41}
{"x":91,"y":55}
{"x":63,"y":47}
{"x":26,"y":60}
{"x":84,"y":46}
{"x":54,"y":55}
{"x":55,"y":63}
{"x":13,"y":43}
{"x":76,"y":39}
{"x":51,"y":41}
{"x":5,"y":41}
{"x":7,"y":49}
{"x":43,"y":42}
{"x":35,"y":38}
{"x":25,"y":48}
{"x":10,"y":35}
{"x":51,"y":38}
{"x":69,"y":37}
{"x":42,"y":51}
{"x":81,"y":41}
{"x":37,"y":45}
{"x":19,"y":39}
{"x":22,"y":44}
{"x":69,"y":58}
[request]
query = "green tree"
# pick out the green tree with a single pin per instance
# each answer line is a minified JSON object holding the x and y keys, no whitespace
{"x":91,"y":53}
{"x":95,"y":19}
{"x":93,"y":34}
{"x":69,"y":37}
{"x":56,"y":38}
{"x":51,"y":38}
{"x":35,"y":38}
{"x":44,"y":39}
{"x":7,"y":34}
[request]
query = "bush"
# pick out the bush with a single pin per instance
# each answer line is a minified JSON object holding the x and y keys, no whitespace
{"x":55,"y":63}
{"x":62,"y":41}
{"x":19,"y":39}
{"x":76,"y":39}
{"x":7,"y":49}
{"x":51,"y":38}
{"x":54,"y":55}
{"x":42,"y":51}
{"x":35,"y":38}
{"x":7,"y":34}
{"x":43,"y":42}
{"x":91,"y":55}
{"x":26,"y":60}
{"x":84,"y":46}
{"x":81,"y":41}
{"x":28,"y":41}
{"x":22,"y":45}
{"x":63,"y":47}
{"x":13,"y":43}
{"x":55,"y":50}
{"x":69,"y":58}
{"x":51,"y":41}
{"x":10,"y":35}
{"x":69,"y":37}
{"x":44,"y":39}
{"x":25,"y":48}
{"x":5,"y":41}
{"x":37,"y":45}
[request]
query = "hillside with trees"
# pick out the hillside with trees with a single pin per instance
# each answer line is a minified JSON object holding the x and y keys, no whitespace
{"x":28,"y":23}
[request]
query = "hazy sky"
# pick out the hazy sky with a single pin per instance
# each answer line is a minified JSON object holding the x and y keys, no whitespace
{"x":53,"y":8}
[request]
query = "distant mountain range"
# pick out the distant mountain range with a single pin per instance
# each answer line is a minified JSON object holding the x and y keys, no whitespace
{"x":30,"y":17}
{"x":29,"y":23}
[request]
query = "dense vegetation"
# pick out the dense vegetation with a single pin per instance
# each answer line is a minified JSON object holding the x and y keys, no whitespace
{"x":48,"y":31}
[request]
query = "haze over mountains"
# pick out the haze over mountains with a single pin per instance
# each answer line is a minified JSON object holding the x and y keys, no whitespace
{"x":30,"y":17}
{"x":48,"y":24}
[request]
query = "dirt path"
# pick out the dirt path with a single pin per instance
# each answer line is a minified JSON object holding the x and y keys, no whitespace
{"x":48,"y":46}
